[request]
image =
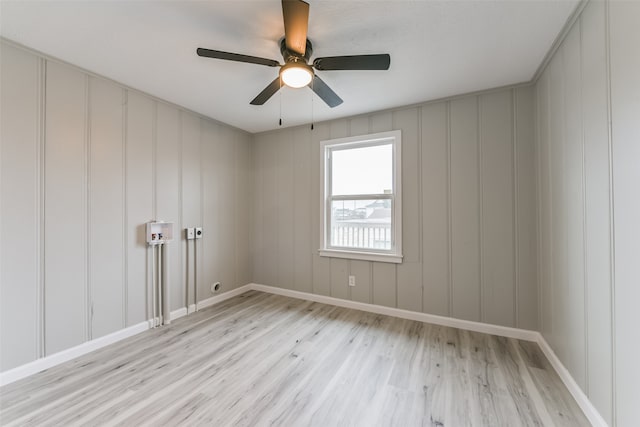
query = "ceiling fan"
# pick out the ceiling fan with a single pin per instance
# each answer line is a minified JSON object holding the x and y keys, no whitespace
{"x":296,"y":50}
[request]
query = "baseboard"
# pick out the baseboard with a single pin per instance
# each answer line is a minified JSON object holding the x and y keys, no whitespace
{"x":581,"y":399}
{"x":176,"y":314}
{"x":223,"y":297}
{"x":47,"y":362}
{"x":504,"y":331}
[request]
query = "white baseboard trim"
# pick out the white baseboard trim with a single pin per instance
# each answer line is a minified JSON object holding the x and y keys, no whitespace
{"x":486,"y":328}
{"x":176,"y":314}
{"x":582,"y":400}
{"x":47,"y":362}
{"x":223,"y":297}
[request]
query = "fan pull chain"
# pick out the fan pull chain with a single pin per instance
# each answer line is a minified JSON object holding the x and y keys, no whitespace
{"x":280,"y":96}
{"x":312,"y":92}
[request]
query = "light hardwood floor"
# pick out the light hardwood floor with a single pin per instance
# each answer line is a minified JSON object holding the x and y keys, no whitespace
{"x":261,"y":359}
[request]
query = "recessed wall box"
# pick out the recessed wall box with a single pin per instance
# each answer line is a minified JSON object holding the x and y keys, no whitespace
{"x":159,"y":232}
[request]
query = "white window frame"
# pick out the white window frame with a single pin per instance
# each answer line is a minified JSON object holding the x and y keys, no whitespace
{"x":394,"y":255}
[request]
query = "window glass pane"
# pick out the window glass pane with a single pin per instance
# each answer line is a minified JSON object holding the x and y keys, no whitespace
{"x":363,"y":224}
{"x":365,"y":170}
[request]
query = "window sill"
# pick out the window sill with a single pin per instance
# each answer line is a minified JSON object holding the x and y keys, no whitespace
{"x":364,"y":256}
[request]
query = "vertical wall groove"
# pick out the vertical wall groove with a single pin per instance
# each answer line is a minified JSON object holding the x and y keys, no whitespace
{"x":514,"y":175}
{"x":584,"y":220}
{"x":178,"y":227}
{"x":125,"y":219}
{"x":87,"y":208}
{"x":539,"y":208}
{"x":480,"y":205}
{"x":449,"y":210}
{"x":420,"y":208}
{"x":40,"y":304}
{"x":612,"y":227}
{"x":201,"y":251}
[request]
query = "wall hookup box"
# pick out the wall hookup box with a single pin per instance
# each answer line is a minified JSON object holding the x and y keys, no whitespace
{"x":159,"y":232}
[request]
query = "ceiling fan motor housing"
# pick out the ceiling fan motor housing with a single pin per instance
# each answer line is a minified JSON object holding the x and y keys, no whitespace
{"x":290,"y":56}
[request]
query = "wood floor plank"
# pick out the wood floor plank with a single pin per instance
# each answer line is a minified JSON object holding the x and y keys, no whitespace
{"x":261,"y":359}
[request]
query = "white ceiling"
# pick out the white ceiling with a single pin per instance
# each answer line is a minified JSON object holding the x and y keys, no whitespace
{"x":438,"y":48}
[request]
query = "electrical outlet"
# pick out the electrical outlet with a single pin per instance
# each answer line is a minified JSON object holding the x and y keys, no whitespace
{"x":352,"y":280}
{"x":191,"y":233}
{"x":198,"y":232}
{"x":215,"y":287}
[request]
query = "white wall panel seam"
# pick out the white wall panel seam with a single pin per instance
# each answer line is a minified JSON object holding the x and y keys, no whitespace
{"x":585,"y":242}
{"x":197,"y":276}
{"x":420,"y":210}
{"x":177,"y":228}
{"x":612,"y":227}
{"x":449,"y":211}
{"x":479,"y":160}
{"x":234,"y":195}
{"x":125,"y":219}
{"x":552,"y":250}
{"x":40,"y":170}
{"x":88,"y":309}
{"x":515,"y":223}
{"x":154,"y":155}
{"x":538,"y":196}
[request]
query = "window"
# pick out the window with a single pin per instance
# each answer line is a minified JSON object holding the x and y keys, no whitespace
{"x":361,"y":197}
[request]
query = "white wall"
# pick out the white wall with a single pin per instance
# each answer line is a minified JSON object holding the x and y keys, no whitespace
{"x":85,"y":164}
{"x":589,"y":205}
{"x":469,"y":227}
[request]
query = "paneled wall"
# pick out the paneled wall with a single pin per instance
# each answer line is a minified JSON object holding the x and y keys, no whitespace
{"x":469,"y":219}
{"x":85,"y":164}
{"x":589,"y":206}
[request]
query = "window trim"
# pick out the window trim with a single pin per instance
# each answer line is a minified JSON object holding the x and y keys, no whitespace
{"x":326,"y":146}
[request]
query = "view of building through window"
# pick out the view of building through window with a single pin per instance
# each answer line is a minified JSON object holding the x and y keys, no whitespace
{"x":360,"y":222}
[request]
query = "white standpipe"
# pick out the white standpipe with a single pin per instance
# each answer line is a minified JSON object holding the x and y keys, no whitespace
{"x":166,"y":316}
{"x":154,"y":286}
{"x":193,"y":234}
{"x":195,"y":275}
{"x":159,"y":234}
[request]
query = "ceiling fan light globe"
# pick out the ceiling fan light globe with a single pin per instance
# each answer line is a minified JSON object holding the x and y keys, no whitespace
{"x":296,"y":75}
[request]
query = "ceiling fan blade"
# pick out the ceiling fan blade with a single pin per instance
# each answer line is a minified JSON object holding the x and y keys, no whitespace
{"x":296,"y":23}
{"x":355,"y":62}
{"x":325,"y":93}
{"x":267,"y":92}
{"x":218,"y":54}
